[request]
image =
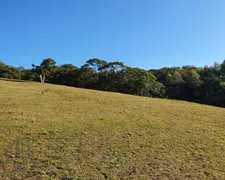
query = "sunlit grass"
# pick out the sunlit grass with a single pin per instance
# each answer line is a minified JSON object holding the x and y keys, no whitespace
{"x":56,"y":132}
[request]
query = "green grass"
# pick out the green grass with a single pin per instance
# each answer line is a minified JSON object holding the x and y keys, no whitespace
{"x":56,"y":132}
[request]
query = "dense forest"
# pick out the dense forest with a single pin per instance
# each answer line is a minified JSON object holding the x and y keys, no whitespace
{"x":204,"y":85}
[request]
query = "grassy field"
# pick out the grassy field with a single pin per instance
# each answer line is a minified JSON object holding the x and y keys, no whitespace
{"x":56,"y":132}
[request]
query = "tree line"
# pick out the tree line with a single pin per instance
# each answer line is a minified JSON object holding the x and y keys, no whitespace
{"x":205,"y":85}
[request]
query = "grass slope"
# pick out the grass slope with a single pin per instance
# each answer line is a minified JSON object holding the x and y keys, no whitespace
{"x":56,"y":132}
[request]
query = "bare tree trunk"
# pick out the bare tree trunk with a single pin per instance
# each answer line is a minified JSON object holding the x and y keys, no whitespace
{"x":42,"y":78}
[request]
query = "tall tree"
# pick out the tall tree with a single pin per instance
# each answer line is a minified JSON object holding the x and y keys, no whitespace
{"x":45,"y":68}
{"x":95,"y":64}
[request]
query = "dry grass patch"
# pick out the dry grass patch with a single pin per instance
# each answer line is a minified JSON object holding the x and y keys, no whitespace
{"x":56,"y":132}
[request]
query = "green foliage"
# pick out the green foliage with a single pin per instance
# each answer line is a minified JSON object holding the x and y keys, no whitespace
{"x":223,"y":70}
{"x":9,"y":72}
{"x":113,"y":67}
{"x":174,"y":78}
{"x":202,"y":85}
{"x":27,"y":74}
{"x":191,"y":77}
{"x":65,"y":75}
{"x":222,"y":84}
{"x":95,"y":63}
{"x":46,"y":68}
{"x":143,"y":83}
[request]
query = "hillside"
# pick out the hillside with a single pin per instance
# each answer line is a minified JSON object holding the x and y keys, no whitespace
{"x":56,"y":132}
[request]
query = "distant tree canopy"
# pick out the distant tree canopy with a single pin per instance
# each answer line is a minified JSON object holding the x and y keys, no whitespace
{"x":202,"y":85}
{"x":9,"y":71}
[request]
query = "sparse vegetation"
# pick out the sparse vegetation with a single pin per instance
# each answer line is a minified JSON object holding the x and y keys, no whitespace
{"x":57,"y":132}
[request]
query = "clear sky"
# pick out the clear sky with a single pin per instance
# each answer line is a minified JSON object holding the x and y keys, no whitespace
{"x":142,"y":33}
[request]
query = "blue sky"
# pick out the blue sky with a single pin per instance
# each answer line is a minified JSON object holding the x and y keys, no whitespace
{"x":142,"y":33}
